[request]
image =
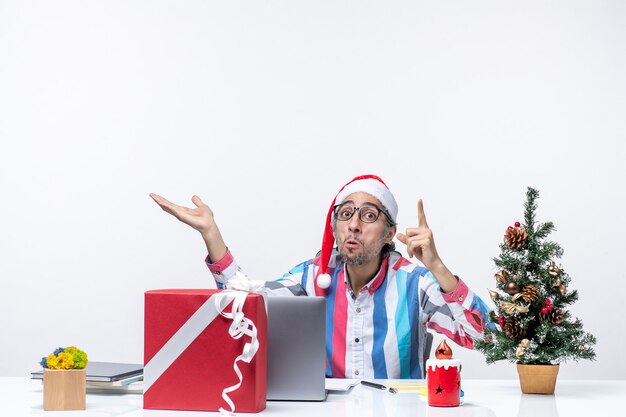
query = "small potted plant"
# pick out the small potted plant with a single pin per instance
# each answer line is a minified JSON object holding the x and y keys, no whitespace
{"x":64,"y":379}
{"x":531,"y":325}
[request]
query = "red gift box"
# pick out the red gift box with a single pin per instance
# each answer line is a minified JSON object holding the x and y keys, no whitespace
{"x":189,"y":353}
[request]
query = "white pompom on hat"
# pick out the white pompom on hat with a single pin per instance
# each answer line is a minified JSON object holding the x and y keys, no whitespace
{"x":370,"y":184}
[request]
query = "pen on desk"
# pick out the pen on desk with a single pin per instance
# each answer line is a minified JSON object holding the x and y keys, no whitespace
{"x":378,"y":386}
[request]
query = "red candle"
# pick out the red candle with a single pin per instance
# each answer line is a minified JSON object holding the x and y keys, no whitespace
{"x":444,"y":378}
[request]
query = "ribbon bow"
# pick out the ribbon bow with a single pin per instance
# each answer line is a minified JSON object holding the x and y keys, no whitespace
{"x":237,"y":290}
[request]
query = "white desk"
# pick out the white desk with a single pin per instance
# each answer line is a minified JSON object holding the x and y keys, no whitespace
{"x":483,"y":398}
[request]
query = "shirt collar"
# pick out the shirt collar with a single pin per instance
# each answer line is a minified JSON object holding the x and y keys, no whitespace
{"x":375,"y":282}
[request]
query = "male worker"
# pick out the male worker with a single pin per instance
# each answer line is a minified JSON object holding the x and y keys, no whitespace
{"x":378,"y":304}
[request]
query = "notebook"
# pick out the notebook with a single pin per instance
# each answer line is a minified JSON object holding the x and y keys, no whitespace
{"x":296,"y":349}
{"x":107,"y":372}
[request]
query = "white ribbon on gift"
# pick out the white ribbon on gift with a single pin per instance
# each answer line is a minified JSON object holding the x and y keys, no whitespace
{"x":238,"y":289}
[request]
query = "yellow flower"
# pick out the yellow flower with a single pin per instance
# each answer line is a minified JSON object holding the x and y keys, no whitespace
{"x":53,"y":361}
{"x":66,"y":361}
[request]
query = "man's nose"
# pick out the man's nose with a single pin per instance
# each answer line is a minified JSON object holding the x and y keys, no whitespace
{"x":354,"y":224}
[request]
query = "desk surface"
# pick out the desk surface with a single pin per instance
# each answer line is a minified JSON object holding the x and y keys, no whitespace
{"x":483,"y":398}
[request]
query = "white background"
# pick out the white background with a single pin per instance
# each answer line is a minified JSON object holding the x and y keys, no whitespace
{"x":264,"y":109}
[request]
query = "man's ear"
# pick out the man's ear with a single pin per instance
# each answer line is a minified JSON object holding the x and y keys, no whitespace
{"x":392,"y":233}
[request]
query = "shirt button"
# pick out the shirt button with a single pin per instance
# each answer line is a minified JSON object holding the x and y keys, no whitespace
{"x":460,"y":298}
{"x":356,"y":372}
{"x":358,"y":309}
{"x":217,"y":273}
{"x":356,"y":340}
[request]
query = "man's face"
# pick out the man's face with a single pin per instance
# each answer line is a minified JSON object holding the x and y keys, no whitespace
{"x":359,"y":242}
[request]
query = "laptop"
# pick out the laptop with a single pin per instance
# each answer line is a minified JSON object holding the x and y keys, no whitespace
{"x":296,"y":349}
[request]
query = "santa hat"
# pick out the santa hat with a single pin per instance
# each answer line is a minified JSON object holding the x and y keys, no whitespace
{"x":370,"y":184}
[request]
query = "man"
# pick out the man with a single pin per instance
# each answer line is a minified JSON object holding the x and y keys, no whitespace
{"x":378,"y":304}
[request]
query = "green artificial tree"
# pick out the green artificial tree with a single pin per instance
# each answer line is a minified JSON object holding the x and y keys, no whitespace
{"x":533,"y":324}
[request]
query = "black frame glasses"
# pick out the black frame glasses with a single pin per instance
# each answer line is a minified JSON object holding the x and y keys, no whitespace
{"x":368,"y":213}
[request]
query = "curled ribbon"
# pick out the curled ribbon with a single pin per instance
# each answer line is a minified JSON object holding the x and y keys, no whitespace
{"x":238,"y":289}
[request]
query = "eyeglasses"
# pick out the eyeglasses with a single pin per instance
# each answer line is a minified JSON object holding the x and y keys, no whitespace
{"x":367,"y":213}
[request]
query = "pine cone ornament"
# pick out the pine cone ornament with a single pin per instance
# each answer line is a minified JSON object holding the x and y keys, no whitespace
{"x":529,"y":293}
{"x":553,"y":315}
{"x":515,"y":237}
{"x":512,"y":329}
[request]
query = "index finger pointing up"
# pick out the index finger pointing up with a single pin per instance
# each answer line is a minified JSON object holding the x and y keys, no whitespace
{"x":420,"y":214}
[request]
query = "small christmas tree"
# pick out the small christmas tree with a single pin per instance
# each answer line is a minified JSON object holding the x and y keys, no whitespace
{"x":534,"y":326}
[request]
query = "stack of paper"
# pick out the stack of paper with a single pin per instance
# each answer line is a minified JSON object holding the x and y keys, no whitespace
{"x":340,"y":384}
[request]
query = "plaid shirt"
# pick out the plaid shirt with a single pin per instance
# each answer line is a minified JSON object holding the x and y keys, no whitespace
{"x":379,"y":332}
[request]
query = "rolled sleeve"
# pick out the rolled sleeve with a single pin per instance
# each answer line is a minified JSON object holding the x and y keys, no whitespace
{"x":459,"y":294}
{"x":223,"y":269}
